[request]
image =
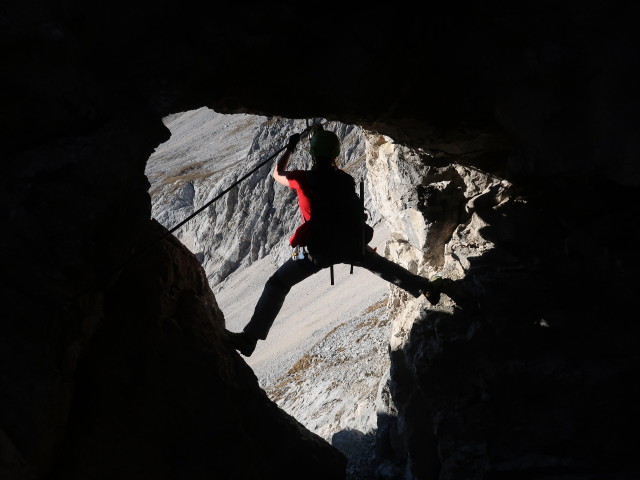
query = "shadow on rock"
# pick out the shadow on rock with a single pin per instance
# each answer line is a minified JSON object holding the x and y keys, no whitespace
{"x":360,"y":450}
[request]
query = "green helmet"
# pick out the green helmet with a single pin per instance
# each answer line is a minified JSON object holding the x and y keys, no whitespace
{"x":325,"y":144}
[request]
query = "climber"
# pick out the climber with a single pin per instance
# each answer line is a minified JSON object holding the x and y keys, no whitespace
{"x":331,"y":233}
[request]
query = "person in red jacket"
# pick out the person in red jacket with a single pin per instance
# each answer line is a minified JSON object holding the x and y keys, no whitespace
{"x":316,"y":188}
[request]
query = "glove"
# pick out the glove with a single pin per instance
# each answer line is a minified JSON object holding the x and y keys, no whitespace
{"x":293,"y":141}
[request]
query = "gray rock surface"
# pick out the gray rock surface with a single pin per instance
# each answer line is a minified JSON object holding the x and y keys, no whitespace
{"x":206,"y":154}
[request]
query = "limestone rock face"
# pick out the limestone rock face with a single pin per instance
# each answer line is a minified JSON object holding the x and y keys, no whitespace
{"x":251,"y":220}
{"x":462,"y":399}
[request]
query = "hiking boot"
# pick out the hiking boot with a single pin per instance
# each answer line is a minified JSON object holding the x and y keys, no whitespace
{"x":242,"y":341}
{"x":434,"y":288}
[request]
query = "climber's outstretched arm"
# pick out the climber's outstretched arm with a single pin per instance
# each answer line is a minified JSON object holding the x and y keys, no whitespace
{"x":280,"y":172}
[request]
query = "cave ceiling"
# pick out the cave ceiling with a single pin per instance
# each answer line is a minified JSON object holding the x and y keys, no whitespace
{"x":425,"y":74}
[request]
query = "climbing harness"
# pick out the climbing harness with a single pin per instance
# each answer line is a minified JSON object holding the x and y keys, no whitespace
{"x":299,"y":253}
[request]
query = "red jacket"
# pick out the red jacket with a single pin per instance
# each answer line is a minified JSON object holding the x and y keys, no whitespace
{"x":299,"y":182}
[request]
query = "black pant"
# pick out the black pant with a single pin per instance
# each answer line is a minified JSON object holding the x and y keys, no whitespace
{"x":294,"y":271}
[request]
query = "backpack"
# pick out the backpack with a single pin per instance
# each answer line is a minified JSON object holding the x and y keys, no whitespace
{"x":339,"y":231}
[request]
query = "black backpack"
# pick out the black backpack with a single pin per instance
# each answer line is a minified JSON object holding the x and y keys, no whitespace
{"x":338,"y":229}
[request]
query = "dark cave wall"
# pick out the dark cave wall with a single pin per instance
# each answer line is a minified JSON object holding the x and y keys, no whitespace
{"x":77,"y":203}
{"x":84,"y":89}
{"x":560,"y":82}
{"x":531,"y":376}
{"x":159,"y":394}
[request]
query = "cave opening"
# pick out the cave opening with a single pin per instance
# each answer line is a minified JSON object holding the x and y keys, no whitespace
{"x":327,"y":359}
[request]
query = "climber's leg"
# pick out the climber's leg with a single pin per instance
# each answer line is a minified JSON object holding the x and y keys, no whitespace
{"x":394,"y":273}
{"x":274,"y":293}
